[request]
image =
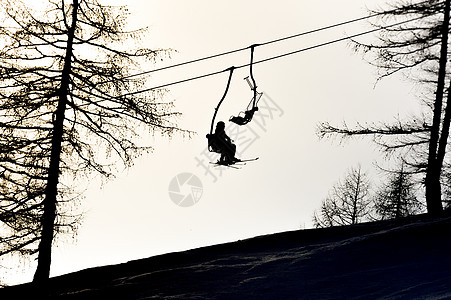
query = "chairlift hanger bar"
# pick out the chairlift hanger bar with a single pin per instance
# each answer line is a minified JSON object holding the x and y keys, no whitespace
{"x":254,"y":89}
{"x":231,"y":69}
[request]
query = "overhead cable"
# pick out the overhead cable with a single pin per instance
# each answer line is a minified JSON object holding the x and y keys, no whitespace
{"x":269,"y":42}
{"x":273,"y":57}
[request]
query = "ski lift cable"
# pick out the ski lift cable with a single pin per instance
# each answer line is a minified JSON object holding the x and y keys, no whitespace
{"x":267,"y":42}
{"x":272,"y":58}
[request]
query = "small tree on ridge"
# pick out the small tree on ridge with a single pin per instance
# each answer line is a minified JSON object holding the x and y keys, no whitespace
{"x":348,"y":202}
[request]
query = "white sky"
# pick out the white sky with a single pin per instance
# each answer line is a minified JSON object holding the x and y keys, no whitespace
{"x":133,"y":217}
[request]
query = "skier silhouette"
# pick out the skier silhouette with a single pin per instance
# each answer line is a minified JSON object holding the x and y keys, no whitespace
{"x":222,"y":144}
{"x":248,"y":114}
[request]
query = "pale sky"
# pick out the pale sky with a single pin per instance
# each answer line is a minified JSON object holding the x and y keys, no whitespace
{"x":133,"y":216}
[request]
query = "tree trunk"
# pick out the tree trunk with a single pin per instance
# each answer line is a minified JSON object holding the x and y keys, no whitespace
{"x":355,"y":200}
{"x":432,"y":181}
{"x":399,"y":193}
{"x":445,"y":131}
{"x":42,"y":273}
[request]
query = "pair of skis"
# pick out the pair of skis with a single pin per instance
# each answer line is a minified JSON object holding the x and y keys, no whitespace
{"x":235,"y":165}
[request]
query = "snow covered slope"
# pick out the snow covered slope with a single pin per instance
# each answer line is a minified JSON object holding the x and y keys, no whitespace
{"x":408,"y":259}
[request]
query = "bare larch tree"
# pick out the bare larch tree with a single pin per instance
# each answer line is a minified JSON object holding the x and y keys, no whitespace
{"x":420,"y":48}
{"x":69,"y":105}
{"x":348,"y":202}
{"x":397,"y":197}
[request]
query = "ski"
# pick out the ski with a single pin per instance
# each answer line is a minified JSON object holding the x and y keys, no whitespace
{"x":234,"y":165}
{"x":246,"y":160}
{"x":224,"y":165}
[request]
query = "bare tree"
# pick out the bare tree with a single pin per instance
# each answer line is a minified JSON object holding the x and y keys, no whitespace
{"x":397,"y":197}
{"x":348,"y":202}
{"x":446,"y":184}
{"x":69,"y":106}
{"x":421,"y":47}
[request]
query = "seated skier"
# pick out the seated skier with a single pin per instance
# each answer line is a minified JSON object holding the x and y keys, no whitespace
{"x":248,"y":114}
{"x":220,"y":142}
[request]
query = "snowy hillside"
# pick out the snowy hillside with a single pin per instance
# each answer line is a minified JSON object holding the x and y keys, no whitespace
{"x":409,"y":259}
